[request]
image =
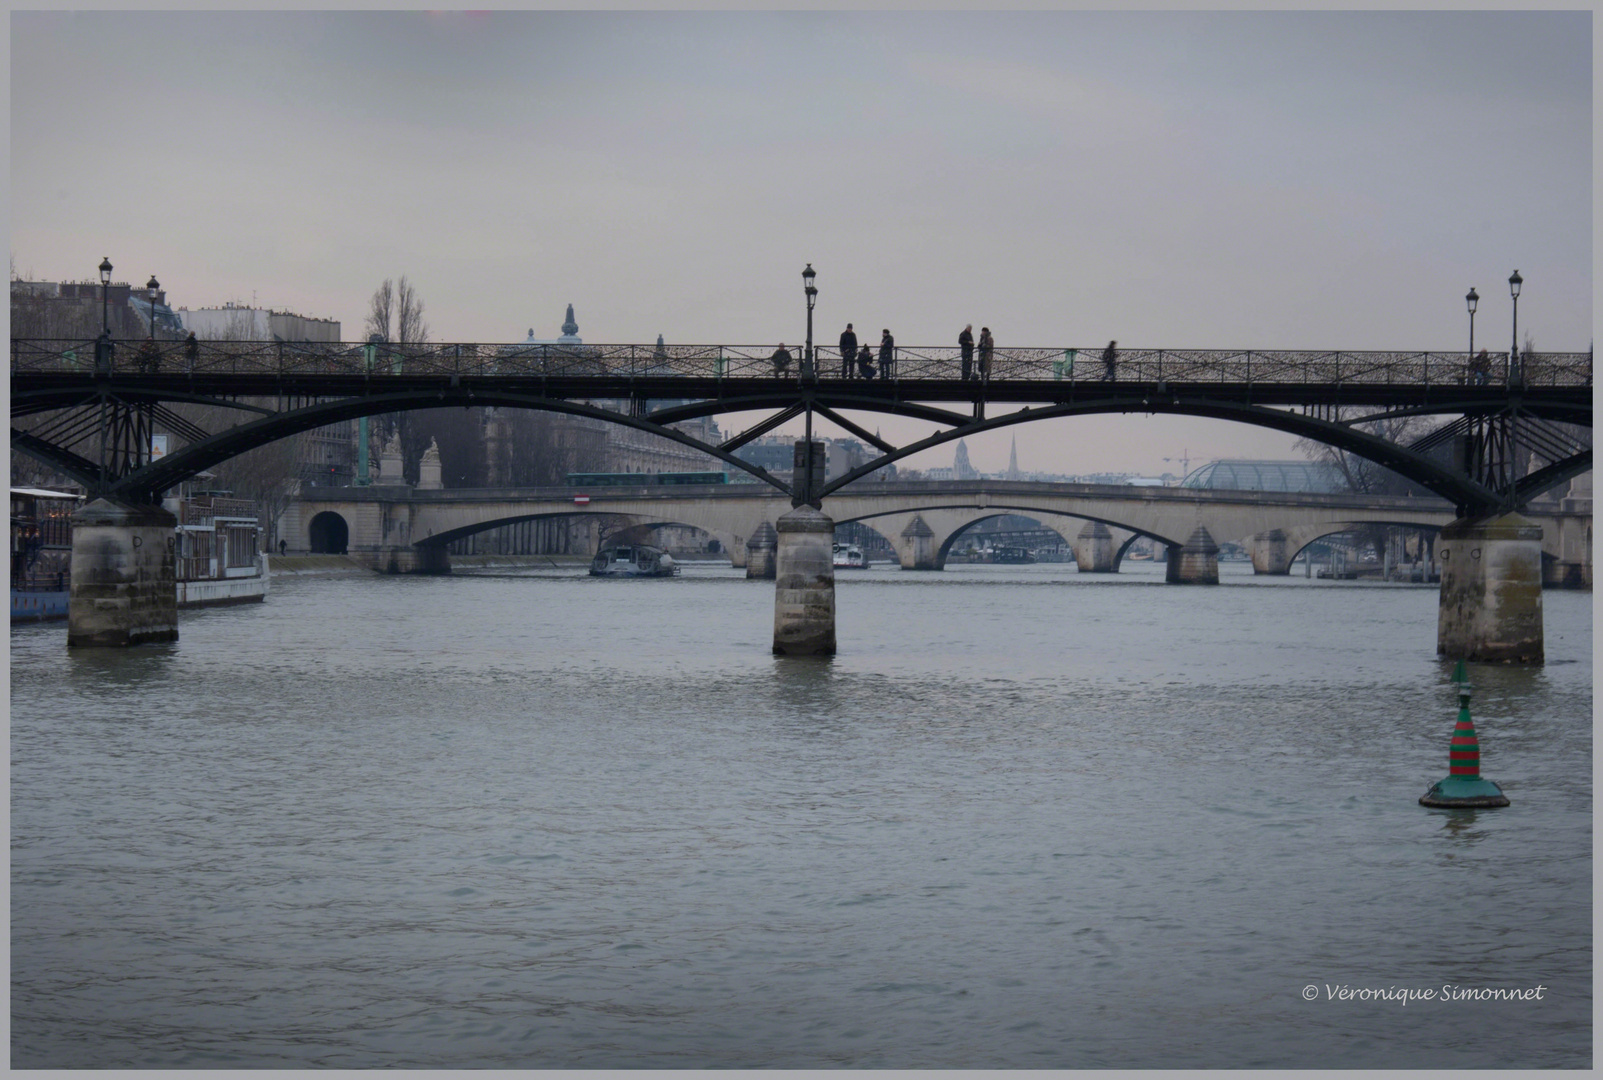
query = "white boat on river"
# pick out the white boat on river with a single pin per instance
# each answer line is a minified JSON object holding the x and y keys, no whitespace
{"x":850,"y":557}
{"x":633,"y":560}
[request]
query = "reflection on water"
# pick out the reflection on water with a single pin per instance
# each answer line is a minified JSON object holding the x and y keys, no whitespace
{"x":1023,"y":819}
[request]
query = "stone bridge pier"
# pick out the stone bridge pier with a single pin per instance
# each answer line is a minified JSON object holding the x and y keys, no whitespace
{"x":1491,"y":592}
{"x":124,"y":588}
{"x":804,"y":584}
{"x":1196,"y":562}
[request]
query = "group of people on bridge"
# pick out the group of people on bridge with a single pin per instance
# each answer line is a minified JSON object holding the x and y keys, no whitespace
{"x":863,"y":357}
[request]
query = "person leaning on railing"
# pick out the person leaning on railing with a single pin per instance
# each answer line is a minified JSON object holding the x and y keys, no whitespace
{"x":1480,"y":369}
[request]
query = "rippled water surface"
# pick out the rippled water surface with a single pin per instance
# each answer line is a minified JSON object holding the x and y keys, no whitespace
{"x":1024,"y":819}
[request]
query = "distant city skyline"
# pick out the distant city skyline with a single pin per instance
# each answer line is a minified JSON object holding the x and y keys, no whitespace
{"x":1265,"y":180}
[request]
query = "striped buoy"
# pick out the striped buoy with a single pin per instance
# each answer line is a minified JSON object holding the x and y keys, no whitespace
{"x":1463,"y":787}
{"x":1464,"y":752}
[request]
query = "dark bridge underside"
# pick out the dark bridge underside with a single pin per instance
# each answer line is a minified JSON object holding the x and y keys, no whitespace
{"x":304,"y":402}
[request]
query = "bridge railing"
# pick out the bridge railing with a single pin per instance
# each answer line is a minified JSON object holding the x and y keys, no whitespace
{"x":911,"y":364}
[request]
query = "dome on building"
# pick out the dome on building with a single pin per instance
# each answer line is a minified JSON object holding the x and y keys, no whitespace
{"x":1316,"y":477}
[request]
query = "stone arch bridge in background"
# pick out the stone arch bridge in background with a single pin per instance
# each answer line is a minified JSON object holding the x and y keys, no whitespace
{"x":399,"y":529}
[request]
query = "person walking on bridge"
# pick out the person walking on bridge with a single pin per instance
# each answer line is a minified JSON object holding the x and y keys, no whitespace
{"x":1110,"y":360}
{"x":986,"y":346}
{"x":848,"y":351}
{"x":965,"y":344}
{"x":887,"y":355}
{"x":781,"y":359}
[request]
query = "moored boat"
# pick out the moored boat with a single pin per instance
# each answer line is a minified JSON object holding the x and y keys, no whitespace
{"x":218,"y":549}
{"x":633,"y":560}
{"x":41,"y":552}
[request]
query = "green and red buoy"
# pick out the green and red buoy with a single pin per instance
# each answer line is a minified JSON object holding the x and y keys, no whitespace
{"x":1464,"y":788}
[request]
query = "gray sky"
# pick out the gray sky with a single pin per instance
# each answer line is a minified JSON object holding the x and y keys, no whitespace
{"x":1169,"y":179}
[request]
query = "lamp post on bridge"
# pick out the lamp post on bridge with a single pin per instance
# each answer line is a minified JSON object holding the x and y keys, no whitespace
{"x":1514,"y":283}
{"x":103,"y":348}
{"x":809,"y":371}
{"x":812,"y":298}
{"x":154,"y":286}
{"x":105,"y":284}
{"x":1472,"y":300}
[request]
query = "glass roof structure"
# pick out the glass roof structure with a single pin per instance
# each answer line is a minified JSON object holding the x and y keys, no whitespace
{"x":1318,"y":477}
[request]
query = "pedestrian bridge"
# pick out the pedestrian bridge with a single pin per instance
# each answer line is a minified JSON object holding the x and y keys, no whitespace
{"x":399,"y":529}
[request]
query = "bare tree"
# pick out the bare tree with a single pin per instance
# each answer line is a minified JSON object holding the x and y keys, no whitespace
{"x":395,"y":314}
{"x":380,"y":310}
{"x":409,"y":324}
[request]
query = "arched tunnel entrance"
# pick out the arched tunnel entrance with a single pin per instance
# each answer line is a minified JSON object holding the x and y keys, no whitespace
{"x":328,"y":533}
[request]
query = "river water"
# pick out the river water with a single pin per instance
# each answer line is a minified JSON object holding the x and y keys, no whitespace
{"x":1026,"y":818}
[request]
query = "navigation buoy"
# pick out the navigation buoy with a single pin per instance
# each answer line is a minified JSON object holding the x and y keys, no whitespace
{"x":1463,"y":787}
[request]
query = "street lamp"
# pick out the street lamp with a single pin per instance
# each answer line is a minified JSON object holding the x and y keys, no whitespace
{"x":1514,"y":283}
{"x":812,"y":298}
{"x":1472,"y":300}
{"x":105,"y":283}
{"x":154,"y":286}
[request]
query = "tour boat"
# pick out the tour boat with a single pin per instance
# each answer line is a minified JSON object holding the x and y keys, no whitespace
{"x":850,"y":557}
{"x":633,"y":560}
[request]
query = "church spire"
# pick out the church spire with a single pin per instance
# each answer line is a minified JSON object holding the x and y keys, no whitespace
{"x":569,"y":327}
{"x":1013,"y":461}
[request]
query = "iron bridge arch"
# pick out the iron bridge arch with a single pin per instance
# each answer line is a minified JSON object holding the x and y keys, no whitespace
{"x":121,"y":408}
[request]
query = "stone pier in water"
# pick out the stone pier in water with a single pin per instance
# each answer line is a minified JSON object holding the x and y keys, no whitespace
{"x":1094,"y":550}
{"x":760,"y":551}
{"x":804,"y":584}
{"x":1194,"y":563}
{"x":1491,"y":598}
{"x":124,"y":587}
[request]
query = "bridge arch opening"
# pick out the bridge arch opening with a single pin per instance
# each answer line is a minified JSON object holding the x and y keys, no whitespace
{"x":861,"y":531}
{"x":1014,"y":532}
{"x":329,"y":534}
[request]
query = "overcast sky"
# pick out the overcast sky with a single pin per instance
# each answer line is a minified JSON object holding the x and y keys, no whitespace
{"x":1219,"y":180}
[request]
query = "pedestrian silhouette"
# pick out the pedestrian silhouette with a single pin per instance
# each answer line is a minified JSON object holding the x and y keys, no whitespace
{"x":848,"y":351}
{"x":865,"y":361}
{"x":965,"y":342}
{"x":986,"y":345}
{"x":887,"y":355}
{"x":781,"y":359}
{"x":1480,"y":369}
{"x":1110,"y":360}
